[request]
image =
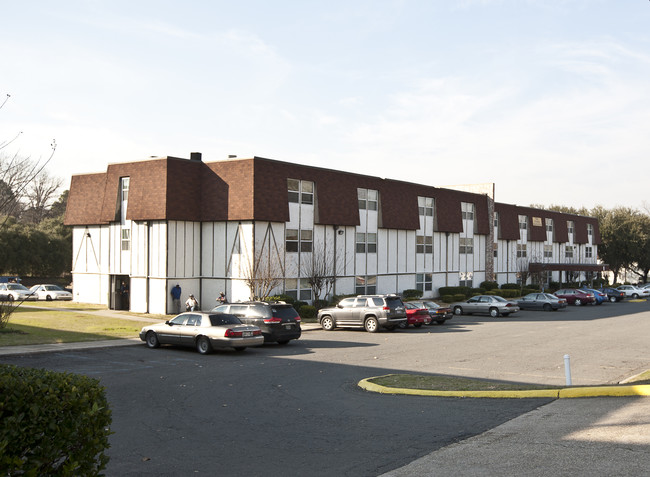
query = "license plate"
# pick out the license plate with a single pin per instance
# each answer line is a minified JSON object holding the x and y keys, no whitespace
{"x":288,"y":326}
{"x":246,"y":334}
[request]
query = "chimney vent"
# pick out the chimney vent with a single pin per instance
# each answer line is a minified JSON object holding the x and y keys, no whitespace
{"x":195,"y":156}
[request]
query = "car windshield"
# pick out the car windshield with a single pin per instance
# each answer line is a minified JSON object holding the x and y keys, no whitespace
{"x":284,"y":312}
{"x":224,"y":319}
{"x":411,"y":306}
{"x":394,"y":302}
{"x":52,"y":288}
{"x":16,"y":286}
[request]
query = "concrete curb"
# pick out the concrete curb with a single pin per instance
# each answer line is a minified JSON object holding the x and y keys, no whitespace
{"x":593,"y":391}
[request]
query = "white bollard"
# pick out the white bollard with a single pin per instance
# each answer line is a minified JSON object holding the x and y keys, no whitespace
{"x":567,"y":369}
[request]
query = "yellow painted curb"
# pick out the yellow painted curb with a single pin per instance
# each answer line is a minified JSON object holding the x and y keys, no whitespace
{"x":640,"y":390}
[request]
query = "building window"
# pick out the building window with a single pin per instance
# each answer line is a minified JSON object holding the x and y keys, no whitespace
{"x":523,"y":222}
{"x":548,"y":251}
{"x":466,"y":245}
{"x":466,"y":279}
{"x":495,"y":247}
{"x":298,"y":240}
{"x":368,"y":199}
{"x":425,"y":206}
{"x":467,"y":210}
{"x":125,"y":187}
{"x":589,"y":253}
{"x":549,"y":225}
{"x":298,"y":289}
{"x":366,"y":243}
{"x":424,"y":281}
{"x":496,"y":220}
{"x":424,"y":244}
{"x":366,"y":285}
{"x":300,"y":191}
{"x":126,"y":239}
{"x":521,"y":250}
{"x":568,"y":251}
{"x":570,"y":226}
{"x":590,"y":230}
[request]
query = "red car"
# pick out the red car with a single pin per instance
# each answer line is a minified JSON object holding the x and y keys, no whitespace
{"x":574,"y":296}
{"x":415,"y":315}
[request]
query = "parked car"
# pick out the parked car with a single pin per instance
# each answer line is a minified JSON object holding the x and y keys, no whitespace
{"x":203,"y":331}
{"x":439,"y":314}
{"x":491,"y":304}
{"x":634,"y":292}
{"x":371,"y":312}
{"x":541,"y":301}
{"x":14,"y":292}
{"x":599,"y":296}
{"x":415,"y":315}
{"x":279,"y":321}
{"x":50,"y":292}
{"x":613,"y":294}
{"x":573,"y":296}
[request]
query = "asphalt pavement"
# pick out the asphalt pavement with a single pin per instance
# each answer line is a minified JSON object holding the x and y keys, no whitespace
{"x":574,"y":436}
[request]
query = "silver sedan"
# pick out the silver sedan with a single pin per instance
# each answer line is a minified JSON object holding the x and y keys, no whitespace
{"x":490,"y":304}
{"x":204,"y":331}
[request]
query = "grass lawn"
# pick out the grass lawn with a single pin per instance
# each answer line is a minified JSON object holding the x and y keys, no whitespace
{"x":33,"y":326}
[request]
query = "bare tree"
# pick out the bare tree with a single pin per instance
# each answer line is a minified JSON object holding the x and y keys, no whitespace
{"x":320,"y":270}
{"x":40,"y":195}
{"x":262,"y":273}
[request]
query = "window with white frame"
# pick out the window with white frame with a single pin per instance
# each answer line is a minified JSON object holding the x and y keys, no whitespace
{"x":298,"y":289}
{"x":466,"y":245}
{"x":495,"y":248}
{"x":425,"y":206}
{"x":126,"y":239}
{"x":496,"y":220}
{"x":124,"y":198}
{"x":366,"y":243}
{"x":466,"y":279}
{"x":300,"y":191}
{"x":548,"y":251}
{"x":589,"y":253}
{"x":298,"y":240}
{"x":424,"y":281}
{"x":570,"y":226}
{"x":549,"y":225}
{"x":368,"y":199}
{"x":521,"y":250}
{"x":568,"y":251}
{"x":590,"y":230}
{"x":366,"y":285}
{"x":467,"y":210}
{"x":523,"y":222}
{"x":423,"y":244}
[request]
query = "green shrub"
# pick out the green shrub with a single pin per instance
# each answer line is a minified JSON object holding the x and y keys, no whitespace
{"x":477,"y":291}
{"x":411,"y":293}
{"x":307,"y":311}
{"x":510,"y":293}
{"x":511,"y":286}
{"x":465,"y":291}
{"x":447,"y":298}
{"x":52,"y":423}
{"x":459,"y":297}
{"x":526,"y":291}
{"x":281,"y":297}
{"x":487,"y":286}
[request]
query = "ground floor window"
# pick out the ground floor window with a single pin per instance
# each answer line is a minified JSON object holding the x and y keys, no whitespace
{"x":366,"y":285}
{"x":568,"y":251}
{"x":521,"y":250}
{"x":424,"y":281}
{"x":548,"y":251}
{"x":589,"y":252}
{"x":298,"y":289}
{"x":466,"y":279}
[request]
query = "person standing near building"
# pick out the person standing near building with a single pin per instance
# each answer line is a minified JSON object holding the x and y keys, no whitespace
{"x":221,"y":299}
{"x":176,"y":298}
{"x":191,"y":304}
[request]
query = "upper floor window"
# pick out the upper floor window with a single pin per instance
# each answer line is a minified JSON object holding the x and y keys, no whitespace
{"x":301,"y":192}
{"x":590,"y":229}
{"x":568,"y":251}
{"x":548,"y":251}
{"x":368,"y":199}
{"x":589,"y":253}
{"x":366,"y":243}
{"x":124,"y":198}
{"x":521,"y":250}
{"x":523,"y":222}
{"x":467,"y":210}
{"x":126,"y":239}
{"x":496,"y":220}
{"x":125,"y":187}
{"x":425,"y":206}
{"x":549,"y":225}
{"x":570,"y":226}
{"x":298,"y":240}
{"x":466,"y":245}
{"x":424,"y":244}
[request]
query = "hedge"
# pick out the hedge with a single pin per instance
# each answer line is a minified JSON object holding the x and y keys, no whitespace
{"x":52,"y":423}
{"x":307,"y":311}
{"x":411,"y":293}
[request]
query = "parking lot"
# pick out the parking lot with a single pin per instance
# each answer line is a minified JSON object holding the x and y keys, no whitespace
{"x":296,"y":409}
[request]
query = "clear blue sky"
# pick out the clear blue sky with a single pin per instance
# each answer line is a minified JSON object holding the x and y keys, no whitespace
{"x":548,"y":99}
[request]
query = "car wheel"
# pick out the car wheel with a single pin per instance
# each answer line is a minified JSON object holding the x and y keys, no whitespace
{"x":283,"y":342}
{"x":403,"y":325}
{"x":417,"y":325}
{"x":440,"y":322}
{"x":458,"y":310}
{"x":578,"y":302}
{"x":494,"y":312}
{"x":327,"y":323}
{"x":635,"y":295}
{"x":152,"y":339}
{"x":48,"y":298}
{"x":612,"y":299}
{"x":240,"y":348}
{"x":371,"y":324}
{"x":203,"y":345}
{"x":547,"y":307}
{"x":10,"y":297}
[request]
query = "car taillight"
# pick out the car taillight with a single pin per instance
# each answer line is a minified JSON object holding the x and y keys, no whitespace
{"x":508,"y":305}
{"x":273,"y":320}
{"x":233,"y":334}
{"x":297,"y":318}
{"x":257,"y":332}
{"x":386,"y":308}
